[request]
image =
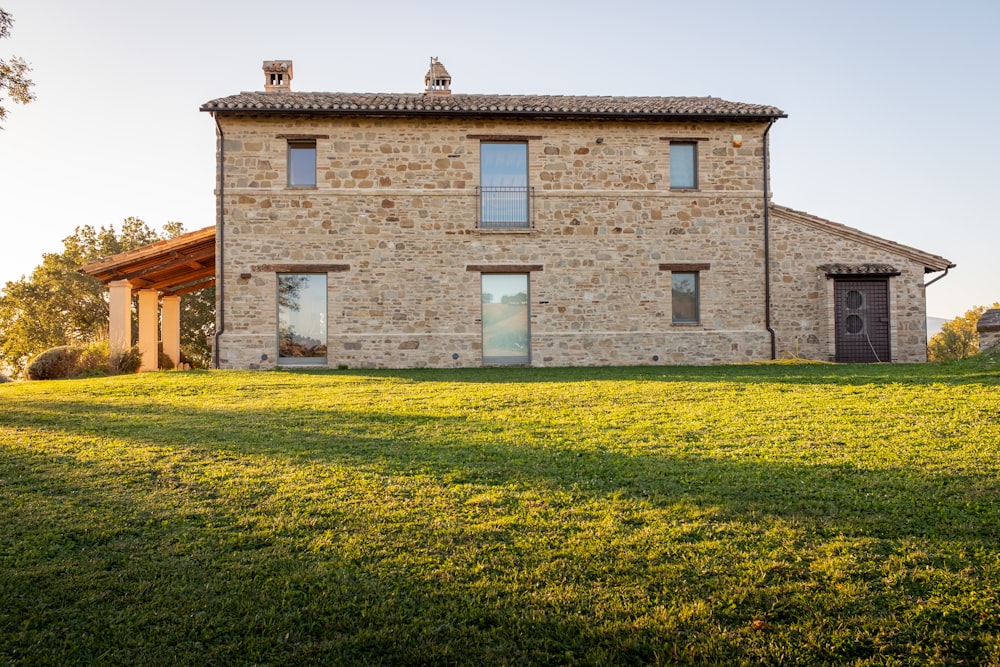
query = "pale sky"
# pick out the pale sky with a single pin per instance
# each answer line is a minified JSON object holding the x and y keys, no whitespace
{"x":892,"y":104}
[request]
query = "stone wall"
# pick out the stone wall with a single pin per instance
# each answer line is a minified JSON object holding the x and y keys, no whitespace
{"x":802,"y":292}
{"x":988,"y":328}
{"x":393,"y":219}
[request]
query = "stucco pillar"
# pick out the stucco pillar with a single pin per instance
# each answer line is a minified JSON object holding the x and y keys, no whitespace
{"x":170,"y":328}
{"x":119,"y":317}
{"x":149,"y":316}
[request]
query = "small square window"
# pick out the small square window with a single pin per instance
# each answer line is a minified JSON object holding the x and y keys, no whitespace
{"x":683,"y":165}
{"x":302,"y":164}
{"x":685,"y":298}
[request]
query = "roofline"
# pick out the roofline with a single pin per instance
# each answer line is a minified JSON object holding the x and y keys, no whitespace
{"x":932,"y":263}
{"x":459,"y":113}
{"x":151,"y":250}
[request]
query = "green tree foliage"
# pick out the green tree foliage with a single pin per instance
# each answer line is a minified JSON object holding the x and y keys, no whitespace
{"x":958,"y":338}
{"x":57,"y":305}
{"x":13,"y":72}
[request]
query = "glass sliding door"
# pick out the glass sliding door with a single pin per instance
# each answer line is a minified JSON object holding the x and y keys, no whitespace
{"x":302,"y":322}
{"x":506,"y":334}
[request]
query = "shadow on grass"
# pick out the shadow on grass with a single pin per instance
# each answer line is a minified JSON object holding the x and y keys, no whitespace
{"x":970,"y":371}
{"x":166,"y":565}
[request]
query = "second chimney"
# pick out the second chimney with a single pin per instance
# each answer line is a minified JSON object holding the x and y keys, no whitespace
{"x":437,"y":79}
{"x":277,"y":76}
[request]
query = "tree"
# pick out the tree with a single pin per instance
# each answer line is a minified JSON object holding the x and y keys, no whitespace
{"x":13,"y":73}
{"x":57,"y":305}
{"x":958,"y":338}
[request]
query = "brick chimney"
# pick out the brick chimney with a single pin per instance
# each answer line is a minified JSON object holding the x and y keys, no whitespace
{"x":277,"y":76}
{"x":437,"y":80}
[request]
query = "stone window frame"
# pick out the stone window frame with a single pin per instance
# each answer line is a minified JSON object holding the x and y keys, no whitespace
{"x":695,"y":269}
{"x":500,"y":269}
{"x":302,"y":142}
{"x":525,"y":140}
{"x":696,"y":171}
{"x":313,"y":360}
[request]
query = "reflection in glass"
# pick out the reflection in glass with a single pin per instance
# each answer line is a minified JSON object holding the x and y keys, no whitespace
{"x":505,"y":319}
{"x":302,"y":164}
{"x":302,"y":322}
{"x":684,"y":298}
{"x":504,"y":184}
{"x":682,"y":166}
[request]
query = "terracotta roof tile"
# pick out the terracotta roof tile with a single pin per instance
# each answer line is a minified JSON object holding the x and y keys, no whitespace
{"x":491,"y":105}
{"x":437,"y":70}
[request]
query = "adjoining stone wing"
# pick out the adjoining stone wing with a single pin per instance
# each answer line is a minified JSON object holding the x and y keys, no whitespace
{"x":845,"y":295}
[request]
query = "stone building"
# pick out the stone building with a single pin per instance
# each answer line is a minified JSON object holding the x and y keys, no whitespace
{"x":441,"y":229}
{"x":988,"y":328}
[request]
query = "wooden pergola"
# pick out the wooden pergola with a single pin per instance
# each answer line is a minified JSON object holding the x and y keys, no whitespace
{"x":160,"y":272}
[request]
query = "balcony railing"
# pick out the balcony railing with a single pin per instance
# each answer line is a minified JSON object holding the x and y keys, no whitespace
{"x":505,"y":207}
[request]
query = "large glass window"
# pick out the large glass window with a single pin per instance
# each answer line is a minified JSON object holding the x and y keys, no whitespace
{"x":684,"y":298}
{"x":302,"y":324}
{"x":506,"y":334}
{"x":302,"y":164}
{"x":503,"y":185}
{"x":683,"y":165}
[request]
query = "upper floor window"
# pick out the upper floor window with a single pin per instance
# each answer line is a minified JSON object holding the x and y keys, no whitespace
{"x":683,"y":165}
{"x":302,"y":163}
{"x":503,"y":185}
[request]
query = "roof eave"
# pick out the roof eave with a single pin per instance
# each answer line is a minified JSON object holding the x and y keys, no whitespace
{"x":480,"y":113}
{"x":932,"y":263}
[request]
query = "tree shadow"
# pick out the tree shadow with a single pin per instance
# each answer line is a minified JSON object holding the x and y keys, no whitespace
{"x":972,"y":371}
{"x":234,"y":592}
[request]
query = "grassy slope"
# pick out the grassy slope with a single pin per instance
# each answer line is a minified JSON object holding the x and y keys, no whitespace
{"x":740,"y":515}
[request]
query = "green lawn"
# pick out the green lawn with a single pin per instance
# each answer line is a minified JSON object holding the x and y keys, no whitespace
{"x":773,"y":514}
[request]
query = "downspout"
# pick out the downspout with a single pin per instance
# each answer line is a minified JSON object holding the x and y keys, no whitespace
{"x":928,"y":284}
{"x":220,"y":247}
{"x":767,"y":246}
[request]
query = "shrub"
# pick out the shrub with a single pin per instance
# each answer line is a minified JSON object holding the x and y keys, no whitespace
{"x":194,"y":359}
{"x":127,"y":362}
{"x":55,"y":363}
{"x":165,"y":363}
{"x":94,"y":360}
{"x":4,"y":378}
{"x":68,"y":362}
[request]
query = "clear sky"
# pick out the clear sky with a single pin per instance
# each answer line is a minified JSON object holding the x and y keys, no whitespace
{"x":892,"y":104}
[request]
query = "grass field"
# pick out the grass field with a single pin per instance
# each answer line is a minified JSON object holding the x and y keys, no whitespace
{"x":773,"y":514}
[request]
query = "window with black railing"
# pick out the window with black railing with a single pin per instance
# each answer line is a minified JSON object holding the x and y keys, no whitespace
{"x":504,"y":195}
{"x":504,"y":207}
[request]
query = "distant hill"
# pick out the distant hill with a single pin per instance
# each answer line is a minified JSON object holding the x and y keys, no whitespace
{"x":934,"y":325}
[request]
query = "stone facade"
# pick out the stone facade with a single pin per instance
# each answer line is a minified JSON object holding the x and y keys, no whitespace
{"x":393,"y":223}
{"x":988,"y":328}
{"x":809,"y":253}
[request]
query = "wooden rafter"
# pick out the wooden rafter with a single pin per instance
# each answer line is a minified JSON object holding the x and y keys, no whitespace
{"x":174,"y":266}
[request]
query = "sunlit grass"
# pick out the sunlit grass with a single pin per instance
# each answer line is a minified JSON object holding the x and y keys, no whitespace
{"x":797,"y":514}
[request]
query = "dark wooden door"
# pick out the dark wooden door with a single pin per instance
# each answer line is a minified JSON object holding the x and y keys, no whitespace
{"x":862,"y":312}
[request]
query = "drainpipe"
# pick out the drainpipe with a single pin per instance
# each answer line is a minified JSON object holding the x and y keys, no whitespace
{"x":931,"y":282}
{"x":220,"y":291}
{"x":767,"y":246}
